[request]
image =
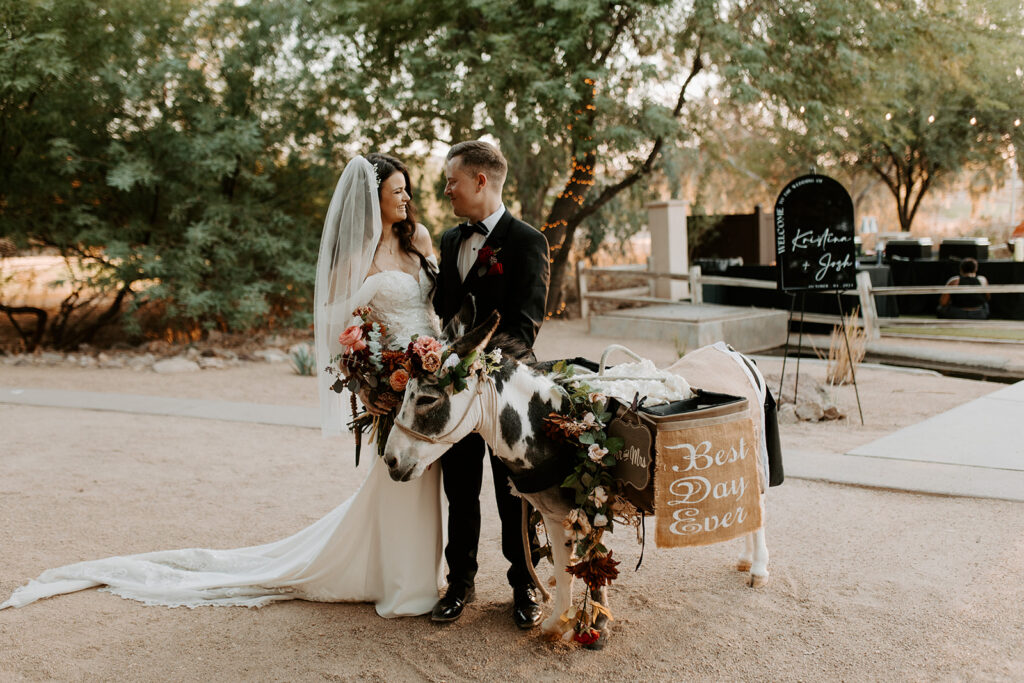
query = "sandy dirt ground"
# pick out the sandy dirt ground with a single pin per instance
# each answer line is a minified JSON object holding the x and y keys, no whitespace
{"x":866,"y":584}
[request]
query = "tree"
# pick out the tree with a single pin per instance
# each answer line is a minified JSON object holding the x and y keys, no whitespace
{"x":174,"y":150}
{"x":948,"y":97}
{"x":585,"y":97}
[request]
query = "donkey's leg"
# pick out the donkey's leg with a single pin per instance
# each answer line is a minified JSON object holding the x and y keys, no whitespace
{"x":558,"y":538}
{"x":747,"y":556}
{"x":601,"y":624}
{"x":759,"y":564}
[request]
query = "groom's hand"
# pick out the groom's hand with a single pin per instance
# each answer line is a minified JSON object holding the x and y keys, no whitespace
{"x":373,"y":407}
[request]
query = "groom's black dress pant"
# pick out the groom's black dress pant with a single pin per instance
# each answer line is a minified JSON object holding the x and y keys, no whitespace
{"x":462,"y":474}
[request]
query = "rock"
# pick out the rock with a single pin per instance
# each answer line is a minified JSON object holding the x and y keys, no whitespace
{"x":832,"y":413}
{"x":141,"y":362}
{"x":71,"y":359}
{"x":809,"y":411}
{"x":17,"y":359}
{"x":51,"y":358}
{"x":207,"y":363}
{"x":158,"y":346}
{"x":274,"y":340}
{"x":271,"y":355}
{"x":222,"y":353}
{"x":787,"y":414}
{"x":175,"y":365}
{"x":105,"y":360}
{"x":214,"y":336}
{"x":87,"y":362}
{"x":192,"y":353}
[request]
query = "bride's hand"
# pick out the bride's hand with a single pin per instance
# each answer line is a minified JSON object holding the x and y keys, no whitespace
{"x":374,"y":408}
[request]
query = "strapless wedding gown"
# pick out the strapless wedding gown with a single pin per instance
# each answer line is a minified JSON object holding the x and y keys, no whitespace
{"x":383,"y":545}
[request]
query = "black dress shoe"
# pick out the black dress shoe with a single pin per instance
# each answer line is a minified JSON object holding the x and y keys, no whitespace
{"x":449,"y":608}
{"x":525,"y":606}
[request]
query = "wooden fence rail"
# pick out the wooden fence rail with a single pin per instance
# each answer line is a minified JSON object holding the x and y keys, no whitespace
{"x":865,"y":291}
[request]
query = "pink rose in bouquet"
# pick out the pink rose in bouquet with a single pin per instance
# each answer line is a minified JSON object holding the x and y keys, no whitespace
{"x":352,"y":339}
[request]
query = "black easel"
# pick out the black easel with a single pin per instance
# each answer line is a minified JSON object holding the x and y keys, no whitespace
{"x":814,"y":248}
{"x":799,"y":348}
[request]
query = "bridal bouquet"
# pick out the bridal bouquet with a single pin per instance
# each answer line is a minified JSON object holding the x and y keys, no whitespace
{"x":370,"y":363}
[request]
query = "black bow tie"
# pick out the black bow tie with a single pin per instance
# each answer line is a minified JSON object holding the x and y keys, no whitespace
{"x":467,"y":229}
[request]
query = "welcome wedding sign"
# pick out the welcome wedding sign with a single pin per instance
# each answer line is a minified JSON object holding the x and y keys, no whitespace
{"x":814,"y":231}
{"x":706,"y":485}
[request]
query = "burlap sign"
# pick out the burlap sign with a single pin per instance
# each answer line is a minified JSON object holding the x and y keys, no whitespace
{"x":706,"y":486}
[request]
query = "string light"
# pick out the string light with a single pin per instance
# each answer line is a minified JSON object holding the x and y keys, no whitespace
{"x":931,"y":119}
{"x":973,"y":120}
{"x":1016,"y":122}
{"x":888,"y":116}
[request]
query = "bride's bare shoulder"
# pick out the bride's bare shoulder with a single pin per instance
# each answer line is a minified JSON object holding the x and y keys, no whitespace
{"x":422,"y":240}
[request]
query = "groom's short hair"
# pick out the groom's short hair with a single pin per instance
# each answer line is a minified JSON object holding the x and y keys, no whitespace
{"x":481,"y":157}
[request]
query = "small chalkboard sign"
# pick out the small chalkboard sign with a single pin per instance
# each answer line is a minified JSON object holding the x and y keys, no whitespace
{"x":814,"y":234}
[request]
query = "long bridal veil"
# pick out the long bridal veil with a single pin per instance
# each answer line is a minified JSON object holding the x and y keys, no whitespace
{"x":383,"y":545}
{"x":351,"y":233}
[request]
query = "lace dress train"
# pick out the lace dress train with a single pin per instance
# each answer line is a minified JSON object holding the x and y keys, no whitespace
{"x":383,"y":545}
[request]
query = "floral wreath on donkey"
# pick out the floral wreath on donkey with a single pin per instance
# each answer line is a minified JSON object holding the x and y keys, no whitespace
{"x":372,"y":362}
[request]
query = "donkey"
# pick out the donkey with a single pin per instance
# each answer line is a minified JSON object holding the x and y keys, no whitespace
{"x":507,"y":408}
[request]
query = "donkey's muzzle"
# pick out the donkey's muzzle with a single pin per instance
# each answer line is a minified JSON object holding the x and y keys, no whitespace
{"x":400,"y":473}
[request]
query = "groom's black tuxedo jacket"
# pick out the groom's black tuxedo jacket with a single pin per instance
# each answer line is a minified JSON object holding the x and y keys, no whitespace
{"x":519,"y":293}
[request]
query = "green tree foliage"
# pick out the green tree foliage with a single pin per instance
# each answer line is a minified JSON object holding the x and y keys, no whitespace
{"x":176,"y":149}
{"x":945,"y":95}
{"x":587,"y":96}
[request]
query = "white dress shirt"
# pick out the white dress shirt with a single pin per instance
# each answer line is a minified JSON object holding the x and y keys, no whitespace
{"x":475,"y":242}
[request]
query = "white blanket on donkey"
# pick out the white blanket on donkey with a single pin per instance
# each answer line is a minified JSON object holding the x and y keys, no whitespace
{"x":625,"y":380}
{"x":717,"y":367}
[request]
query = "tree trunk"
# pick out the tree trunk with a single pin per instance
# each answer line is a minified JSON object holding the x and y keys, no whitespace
{"x":571,"y":208}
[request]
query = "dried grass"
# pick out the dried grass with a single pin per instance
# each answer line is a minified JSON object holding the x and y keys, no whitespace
{"x":842,"y":363}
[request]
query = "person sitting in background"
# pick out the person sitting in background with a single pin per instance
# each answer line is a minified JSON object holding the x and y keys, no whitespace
{"x":971,"y":306}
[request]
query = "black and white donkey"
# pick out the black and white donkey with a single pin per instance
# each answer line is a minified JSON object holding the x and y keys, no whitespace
{"x":507,"y":407}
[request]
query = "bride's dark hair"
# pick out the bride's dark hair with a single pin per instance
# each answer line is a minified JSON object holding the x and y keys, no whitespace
{"x":386,"y":166}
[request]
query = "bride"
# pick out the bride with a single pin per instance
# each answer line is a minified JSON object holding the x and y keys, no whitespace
{"x":382,"y":545}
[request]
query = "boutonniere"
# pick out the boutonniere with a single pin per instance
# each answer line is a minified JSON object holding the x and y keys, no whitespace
{"x":487,"y":262}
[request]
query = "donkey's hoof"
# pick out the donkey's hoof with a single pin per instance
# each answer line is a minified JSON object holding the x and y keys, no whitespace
{"x":600,"y":642}
{"x":744,"y":565}
{"x":757,"y":581}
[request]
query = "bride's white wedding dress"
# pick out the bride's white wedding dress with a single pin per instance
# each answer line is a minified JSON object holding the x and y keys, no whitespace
{"x":382,"y":545}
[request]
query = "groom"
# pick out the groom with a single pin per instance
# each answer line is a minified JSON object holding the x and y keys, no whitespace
{"x":503,"y":263}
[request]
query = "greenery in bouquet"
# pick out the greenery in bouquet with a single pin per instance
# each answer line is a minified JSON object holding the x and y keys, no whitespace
{"x":592,"y":486}
{"x":371,"y":365}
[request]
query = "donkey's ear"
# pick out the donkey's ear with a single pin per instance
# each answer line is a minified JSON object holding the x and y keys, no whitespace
{"x":478,"y":337}
{"x":459,"y":325}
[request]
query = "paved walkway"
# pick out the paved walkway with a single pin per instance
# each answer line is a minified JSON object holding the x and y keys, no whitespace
{"x":976,"y":449}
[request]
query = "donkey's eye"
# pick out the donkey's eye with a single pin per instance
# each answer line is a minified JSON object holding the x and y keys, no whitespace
{"x":426,"y":401}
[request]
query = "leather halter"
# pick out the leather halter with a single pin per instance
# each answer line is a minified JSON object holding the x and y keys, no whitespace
{"x":483,"y":381}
